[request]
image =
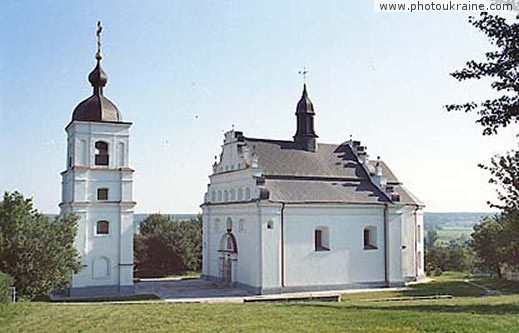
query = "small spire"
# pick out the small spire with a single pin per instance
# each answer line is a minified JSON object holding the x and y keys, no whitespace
{"x":97,"y":77}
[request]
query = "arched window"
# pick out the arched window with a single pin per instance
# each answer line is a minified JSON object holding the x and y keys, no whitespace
{"x":322,"y":239}
{"x":247,"y":193}
{"x":225,"y":196}
{"x":219,"y":195}
{"x":240,"y":194}
{"x":102,"y":194}
{"x":228,"y":224}
{"x":102,"y":228}
{"x":419,"y":233}
{"x":370,"y":238}
{"x":101,"y":157}
{"x":213,"y":196}
{"x":228,"y":243}
{"x":233,"y":195}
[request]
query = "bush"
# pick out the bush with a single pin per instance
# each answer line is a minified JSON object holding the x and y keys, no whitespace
{"x":6,"y":282}
{"x":165,"y":246}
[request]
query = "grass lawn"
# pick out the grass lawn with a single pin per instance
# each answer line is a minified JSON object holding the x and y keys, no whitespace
{"x":467,"y":312}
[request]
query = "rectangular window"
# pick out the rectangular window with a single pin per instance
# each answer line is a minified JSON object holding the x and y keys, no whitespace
{"x":102,"y":228}
{"x":366,"y":238}
{"x":318,"y":240}
{"x":322,"y":239}
{"x":102,"y":194}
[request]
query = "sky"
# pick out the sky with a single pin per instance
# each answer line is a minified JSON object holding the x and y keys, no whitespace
{"x":184,"y":72}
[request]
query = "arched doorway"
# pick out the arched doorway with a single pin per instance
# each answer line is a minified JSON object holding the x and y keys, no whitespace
{"x":228,"y":256}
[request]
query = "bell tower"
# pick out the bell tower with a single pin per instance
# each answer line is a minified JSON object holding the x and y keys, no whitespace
{"x":97,"y":187}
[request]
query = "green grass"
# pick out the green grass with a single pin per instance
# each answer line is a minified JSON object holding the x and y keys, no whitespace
{"x":467,"y":312}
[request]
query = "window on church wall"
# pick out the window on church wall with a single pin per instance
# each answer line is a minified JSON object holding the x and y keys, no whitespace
{"x":370,"y":238}
{"x":247,"y":193}
{"x":419,"y":233}
{"x":233,"y":195}
{"x":322,"y":239}
{"x":213,"y":196}
{"x":419,"y":254}
{"x":225,"y":196}
{"x":219,"y":195}
{"x":101,"y":157}
{"x":240,"y":194}
{"x":102,"y":194}
{"x":102,"y":228}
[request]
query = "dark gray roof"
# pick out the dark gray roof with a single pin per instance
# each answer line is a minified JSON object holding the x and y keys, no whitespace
{"x":331,"y":174}
{"x":96,"y":108}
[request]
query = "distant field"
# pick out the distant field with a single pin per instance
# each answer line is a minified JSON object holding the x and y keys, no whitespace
{"x":448,"y":234}
{"x":466,"y":312}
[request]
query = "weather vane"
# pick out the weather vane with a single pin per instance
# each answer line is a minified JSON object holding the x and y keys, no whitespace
{"x":304,"y":72}
{"x":99,"y":56}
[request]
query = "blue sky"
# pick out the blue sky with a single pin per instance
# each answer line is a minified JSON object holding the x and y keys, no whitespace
{"x":186,"y":71}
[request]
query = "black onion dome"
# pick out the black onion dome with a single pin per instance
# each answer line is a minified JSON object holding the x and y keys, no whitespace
{"x":97,"y":107}
{"x":305,"y":104}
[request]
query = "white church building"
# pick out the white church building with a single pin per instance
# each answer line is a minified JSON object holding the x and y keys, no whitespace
{"x":291,"y":215}
{"x":97,"y":186}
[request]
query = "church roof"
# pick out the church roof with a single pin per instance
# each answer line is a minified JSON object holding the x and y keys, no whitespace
{"x":331,"y":174}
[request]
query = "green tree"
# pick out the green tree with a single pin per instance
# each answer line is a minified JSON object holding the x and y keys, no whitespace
{"x":487,"y":242}
{"x":165,"y":246}
{"x":501,"y":67}
{"x":504,"y":171}
{"x":38,"y":253}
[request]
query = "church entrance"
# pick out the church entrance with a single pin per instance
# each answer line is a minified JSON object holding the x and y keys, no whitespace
{"x":228,"y":256}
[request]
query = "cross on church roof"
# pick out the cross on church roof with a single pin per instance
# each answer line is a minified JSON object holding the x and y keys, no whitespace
{"x":99,"y":55}
{"x":304,"y":72}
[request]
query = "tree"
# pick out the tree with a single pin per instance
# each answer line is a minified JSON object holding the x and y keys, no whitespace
{"x":501,"y":66}
{"x":165,"y":246}
{"x":431,"y":238}
{"x":38,"y":253}
{"x":488,"y":244}
{"x":504,"y":171}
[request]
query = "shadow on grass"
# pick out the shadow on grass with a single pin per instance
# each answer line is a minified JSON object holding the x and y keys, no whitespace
{"x":484,"y":309}
{"x":454,"y":288}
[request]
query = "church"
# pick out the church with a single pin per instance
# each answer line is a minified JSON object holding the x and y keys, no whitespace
{"x":301,"y":215}
{"x":278,"y":215}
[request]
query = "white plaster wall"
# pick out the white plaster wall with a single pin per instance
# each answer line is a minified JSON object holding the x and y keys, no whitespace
{"x":271,"y":245}
{"x":79,"y":195}
{"x":394,"y":247}
{"x":347,"y":262}
{"x":249,"y":254}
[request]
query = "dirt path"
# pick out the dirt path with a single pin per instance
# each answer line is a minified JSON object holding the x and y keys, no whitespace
{"x":488,"y":291}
